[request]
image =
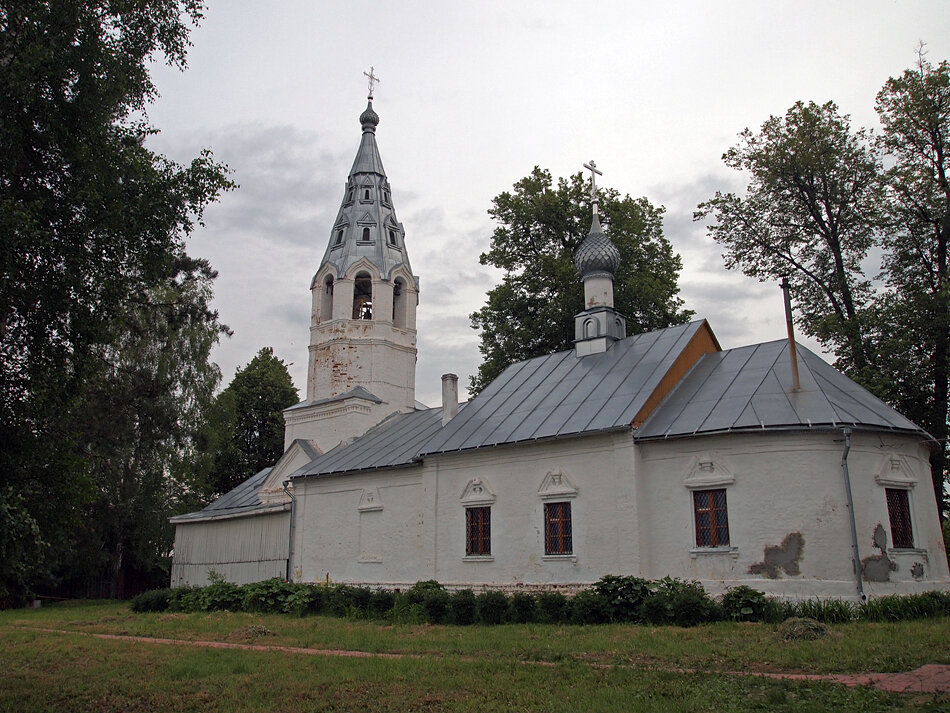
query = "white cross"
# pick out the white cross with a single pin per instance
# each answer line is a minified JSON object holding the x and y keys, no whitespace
{"x":373,"y":79}
{"x":594,"y":172}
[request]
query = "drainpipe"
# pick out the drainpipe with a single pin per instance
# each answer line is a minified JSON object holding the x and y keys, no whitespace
{"x":290,"y":536}
{"x":854,"y":529}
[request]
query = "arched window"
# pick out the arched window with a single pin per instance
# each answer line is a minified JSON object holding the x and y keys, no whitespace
{"x":392,"y":237}
{"x":349,"y":196}
{"x":386,"y":196}
{"x":326,"y":300}
{"x":366,"y":237}
{"x":363,"y":297}
{"x":399,"y":303}
{"x":591,"y":328}
{"x":339,"y":237}
{"x":366,"y":194}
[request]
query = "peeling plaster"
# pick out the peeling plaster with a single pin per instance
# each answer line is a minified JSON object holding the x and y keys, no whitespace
{"x":784,"y":556}
{"x":878,"y":568}
{"x":917,"y":570}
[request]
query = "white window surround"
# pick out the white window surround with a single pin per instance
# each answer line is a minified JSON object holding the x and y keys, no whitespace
{"x":708,"y":472}
{"x":893,"y":472}
{"x":477,"y":492}
{"x":556,"y":486}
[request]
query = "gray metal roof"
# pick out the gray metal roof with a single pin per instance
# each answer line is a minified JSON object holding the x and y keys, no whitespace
{"x":750,"y":388}
{"x":357,"y":392}
{"x":242,"y":500}
{"x":394,"y":442}
{"x":561,"y":394}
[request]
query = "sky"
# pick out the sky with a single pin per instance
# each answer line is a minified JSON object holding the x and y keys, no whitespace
{"x":472,"y":96}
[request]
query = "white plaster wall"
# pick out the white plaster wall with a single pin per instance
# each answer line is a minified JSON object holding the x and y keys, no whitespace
{"x":787,"y":483}
{"x":242,"y":549}
{"x":362,"y":528}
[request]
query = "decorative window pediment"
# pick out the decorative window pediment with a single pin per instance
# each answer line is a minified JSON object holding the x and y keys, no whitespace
{"x":894,"y":471}
{"x":370,"y":501}
{"x":556,"y":485}
{"x":708,"y":471}
{"x":477,"y":492}
{"x":367,"y":219}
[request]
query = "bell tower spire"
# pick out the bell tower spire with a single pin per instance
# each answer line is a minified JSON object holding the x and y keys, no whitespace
{"x":362,"y":354}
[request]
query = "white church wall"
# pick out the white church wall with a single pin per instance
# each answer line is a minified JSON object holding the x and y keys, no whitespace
{"x":361,"y":528}
{"x":789,"y":529}
{"x":241,"y":549}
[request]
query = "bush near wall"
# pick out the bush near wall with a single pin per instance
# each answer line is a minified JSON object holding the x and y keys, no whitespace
{"x":613,"y":599}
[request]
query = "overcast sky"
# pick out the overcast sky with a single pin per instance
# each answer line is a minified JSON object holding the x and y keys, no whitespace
{"x":472,"y":96}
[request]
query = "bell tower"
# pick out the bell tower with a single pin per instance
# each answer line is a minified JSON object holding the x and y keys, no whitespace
{"x":362,"y":354}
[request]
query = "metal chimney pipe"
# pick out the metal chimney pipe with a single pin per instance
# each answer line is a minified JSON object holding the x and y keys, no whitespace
{"x":450,"y":397}
{"x":790,"y":327}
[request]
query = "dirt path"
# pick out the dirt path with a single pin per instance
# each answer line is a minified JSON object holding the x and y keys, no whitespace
{"x":931,"y":678}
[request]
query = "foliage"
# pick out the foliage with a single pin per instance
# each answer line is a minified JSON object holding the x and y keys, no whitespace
{"x":381,"y":603}
{"x":624,"y":596}
{"x":20,"y":546}
{"x":904,"y":608}
{"x":825,"y":202}
{"x":589,"y":607}
{"x":743,"y":603}
{"x":98,"y":295}
{"x":522,"y":608}
{"x":552,"y":607}
{"x":827,"y":611}
{"x":436,"y":606}
{"x":539,"y":226}
{"x":243,"y":431}
{"x":462,"y":607}
{"x":305,"y":600}
{"x":802,"y":629}
{"x":269,"y":595}
{"x":491,"y":607}
{"x":151,"y":600}
{"x":675,"y":601}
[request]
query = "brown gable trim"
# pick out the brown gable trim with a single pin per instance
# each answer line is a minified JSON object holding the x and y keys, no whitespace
{"x":703,"y":342}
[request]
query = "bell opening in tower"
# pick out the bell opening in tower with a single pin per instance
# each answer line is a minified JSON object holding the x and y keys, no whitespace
{"x":363,"y":297}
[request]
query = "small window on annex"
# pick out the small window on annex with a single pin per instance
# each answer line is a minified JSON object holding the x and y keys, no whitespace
{"x":557,"y":529}
{"x":712,"y":520}
{"x":898,"y":511}
{"x":478,"y":531}
{"x":363,"y":297}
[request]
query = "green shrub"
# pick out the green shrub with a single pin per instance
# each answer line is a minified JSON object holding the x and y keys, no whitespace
{"x":462,"y":607}
{"x":404,"y":612}
{"x":305,"y":599}
{"x":344,"y":600}
{"x":361,"y":599}
{"x":417,"y":592}
{"x":589,"y":607}
{"x":552,"y":608}
{"x":152,"y":600}
{"x":522,"y":608}
{"x":381,"y":603}
{"x":657,"y":609}
{"x":904,"y":608}
{"x":680,"y":602}
{"x":744,"y":603}
{"x":220,"y":596}
{"x":624,"y":596}
{"x":828,"y":611}
{"x":435,"y":606}
{"x":267,"y":596}
{"x":491,"y":607}
{"x":184,"y":599}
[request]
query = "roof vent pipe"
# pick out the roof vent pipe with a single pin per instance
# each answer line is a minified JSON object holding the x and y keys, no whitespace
{"x":450,"y":397}
{"x":790,"y":327}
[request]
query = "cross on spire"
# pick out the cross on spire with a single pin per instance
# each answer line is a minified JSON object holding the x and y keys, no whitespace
{"x":373,"y":80}
{"x":594,"y":172}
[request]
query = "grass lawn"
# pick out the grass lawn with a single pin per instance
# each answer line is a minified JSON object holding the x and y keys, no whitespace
{"x":505,"y":668}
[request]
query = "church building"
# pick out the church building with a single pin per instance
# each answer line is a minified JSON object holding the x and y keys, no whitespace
{"x":651,"y":455}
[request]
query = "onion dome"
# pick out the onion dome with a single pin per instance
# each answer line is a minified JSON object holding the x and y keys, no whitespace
{"x":597,"y":256}
{"x":369,"y":118}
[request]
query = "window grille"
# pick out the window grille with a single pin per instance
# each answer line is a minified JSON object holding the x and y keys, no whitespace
{"x":478,"y":531}
{"x":557,"y":529}
{"x":712,"y":520}
{"x":898,"y":511}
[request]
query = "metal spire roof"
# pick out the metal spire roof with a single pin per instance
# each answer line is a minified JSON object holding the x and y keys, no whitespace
{"x":366,"y":225}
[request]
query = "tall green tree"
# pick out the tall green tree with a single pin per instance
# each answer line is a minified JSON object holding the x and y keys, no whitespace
{"x":244,"y":431}
{"x":823,"y":202}
{"x":93,"y":225}
{"x":540,"y":225}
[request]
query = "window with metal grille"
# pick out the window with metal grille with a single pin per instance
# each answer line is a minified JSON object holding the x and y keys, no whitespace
{"x":712,"y":522}
{"x":478,"y":531}
{"x":557,"y":529}
{"x":898,"y":511}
